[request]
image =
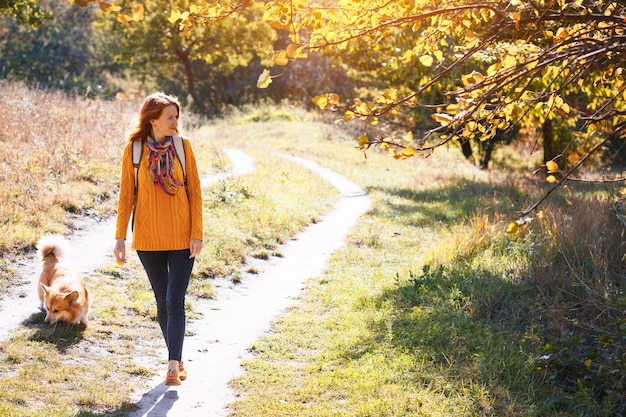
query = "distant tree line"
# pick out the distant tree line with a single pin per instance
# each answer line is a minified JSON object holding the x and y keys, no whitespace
{"x":54,"y":44}
{"x":480,"y":76}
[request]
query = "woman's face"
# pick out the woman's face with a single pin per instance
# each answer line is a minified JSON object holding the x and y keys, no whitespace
{"x":166,"y":124}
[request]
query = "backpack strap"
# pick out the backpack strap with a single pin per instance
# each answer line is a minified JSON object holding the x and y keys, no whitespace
{"x":137,"y":154}
{"x":180,"y":154}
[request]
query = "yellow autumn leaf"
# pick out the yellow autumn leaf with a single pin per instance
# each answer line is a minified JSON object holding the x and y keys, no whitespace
{"x":551,"y":179}
{"x":363,"y":140}
{"x":398,"y":155}
{"x":348,"y":115}
{"x":552,"y":167}
{"x":320,"y":101}
{"x":409,"y":151}
{"x":109,"y":7}
{"x":138,"y":14}
{"x":442,"y":118}
{"x":264,"y":79}
{"x":184,"y":28}
{"x":80,"y":3}
{"x":409,"y":136}
{"x":212,"y":10}
{"x":174,"y":16}
{"x":509,"y":61}
{"x":276,"y":24}
{"x":512,"y":227}
{"x":281,"y":58}
{"x":123,"y":18}
{"x":493,"y":69}
{"x":452,"y":108}
{"x":473,"y":78}
{"x":333,"y":98}
{"x":426,"y":60}
{"x":568,"y":201}
{"x":416,"y":26}
{"x":573,"y":158}
{"x":294,"y":51}
{"x":562,"y":33}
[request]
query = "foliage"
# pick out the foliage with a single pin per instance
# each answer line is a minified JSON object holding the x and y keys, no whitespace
{"x":542,"y":58}
{"x":209,"y":63}
{"x":60,"y":51}
{"x":25,"y":12}
{"x":499,"y":65}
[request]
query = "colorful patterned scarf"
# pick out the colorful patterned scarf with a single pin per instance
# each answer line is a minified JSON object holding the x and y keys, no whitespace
{"x":161,"y":164}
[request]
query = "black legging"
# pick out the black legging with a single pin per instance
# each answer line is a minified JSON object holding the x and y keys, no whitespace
{"x":169,"y":273}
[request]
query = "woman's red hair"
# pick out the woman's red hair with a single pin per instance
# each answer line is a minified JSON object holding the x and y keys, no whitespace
{"x":151,"y":109}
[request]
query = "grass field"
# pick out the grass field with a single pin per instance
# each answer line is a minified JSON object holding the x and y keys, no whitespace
{"x":431,"y":309}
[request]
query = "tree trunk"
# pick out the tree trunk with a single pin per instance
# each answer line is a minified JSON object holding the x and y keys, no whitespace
{"x":466,"y":148}
{"x":549,"y":142}
{"x":183,"y":55}
{"x":486,"y":155}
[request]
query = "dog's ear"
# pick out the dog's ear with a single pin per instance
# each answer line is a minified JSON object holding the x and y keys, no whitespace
{"x":73,"y":296}
{"x":45,"y":288}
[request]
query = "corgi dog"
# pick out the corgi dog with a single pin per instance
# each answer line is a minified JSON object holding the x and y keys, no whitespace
{"x":63,"y":294}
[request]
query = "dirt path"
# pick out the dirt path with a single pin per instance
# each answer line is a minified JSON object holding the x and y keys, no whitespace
{"x":243,"y":312}
{"x":239,"y":315}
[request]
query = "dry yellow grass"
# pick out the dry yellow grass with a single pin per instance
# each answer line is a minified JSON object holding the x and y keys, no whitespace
{"x":60,"y":156}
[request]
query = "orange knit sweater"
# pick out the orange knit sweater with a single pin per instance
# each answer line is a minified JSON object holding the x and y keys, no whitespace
{"x":162,"y":222}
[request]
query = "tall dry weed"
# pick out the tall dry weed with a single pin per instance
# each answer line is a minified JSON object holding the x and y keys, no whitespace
{"x":586,"y":259}
{"x":60,"y":156}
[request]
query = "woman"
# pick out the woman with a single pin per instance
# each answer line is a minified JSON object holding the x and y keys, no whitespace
{"x":167,"y":218}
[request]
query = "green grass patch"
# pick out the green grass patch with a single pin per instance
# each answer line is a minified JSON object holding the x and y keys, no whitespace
{"x":433,"y":310}
{"x":252,"y":215}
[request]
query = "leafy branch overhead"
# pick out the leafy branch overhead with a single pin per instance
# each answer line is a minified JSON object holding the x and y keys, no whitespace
{"x":536,"y":57}
{"x":536,"y":61}
{"x":479,"y":70}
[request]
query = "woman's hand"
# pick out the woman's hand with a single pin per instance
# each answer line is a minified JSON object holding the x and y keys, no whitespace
{"x":120,"y":251}
{"x":195,"y":247}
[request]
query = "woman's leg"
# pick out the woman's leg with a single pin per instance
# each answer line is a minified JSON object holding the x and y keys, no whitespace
{"x":155,"y":265}
{"x":180,"y":267}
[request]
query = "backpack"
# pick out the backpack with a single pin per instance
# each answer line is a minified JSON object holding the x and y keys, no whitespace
{"x":177,"y":141}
